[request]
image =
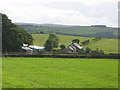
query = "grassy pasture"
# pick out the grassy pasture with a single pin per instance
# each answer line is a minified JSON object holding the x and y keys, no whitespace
{"x":39,"y":39}
{"x":105,"y":44}
{"x":59,"y":73}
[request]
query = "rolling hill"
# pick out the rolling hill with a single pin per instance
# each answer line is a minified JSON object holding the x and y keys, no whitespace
{"x":105,"y":44}
{"x":84,"y":31}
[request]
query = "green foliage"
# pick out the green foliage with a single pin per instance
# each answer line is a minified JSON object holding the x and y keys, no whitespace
{"x":59,"y":73}
{"x":87,"y":50}
{"x":52,"y":42}
{"x":90,"y":51}
{"x":49,"y":45}
{"x":81,"y":51}
{"x":85,"y":42}
{"x":62,"y":46}
{"x":13,"y":36}
{"x":97,"y":38}
{"x":41,"y":32}
{"x":97,"y":51}
{"x":75,"y":41}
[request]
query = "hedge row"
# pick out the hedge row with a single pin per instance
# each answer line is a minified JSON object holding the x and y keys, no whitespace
{"x":112,"y":56}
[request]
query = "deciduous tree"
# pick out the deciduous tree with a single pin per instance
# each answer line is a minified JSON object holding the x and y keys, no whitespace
{"x":13,"y":36}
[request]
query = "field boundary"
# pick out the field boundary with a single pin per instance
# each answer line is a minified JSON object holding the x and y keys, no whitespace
{"x":111,"y":56}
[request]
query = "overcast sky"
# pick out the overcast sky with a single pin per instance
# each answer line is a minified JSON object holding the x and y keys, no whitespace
{"x":69,"y":12}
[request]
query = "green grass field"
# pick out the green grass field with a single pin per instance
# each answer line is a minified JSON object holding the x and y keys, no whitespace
{"x":59,"y":73}
{"x":105,"y":44}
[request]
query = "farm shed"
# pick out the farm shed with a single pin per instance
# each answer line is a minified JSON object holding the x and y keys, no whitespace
{"x":32,"y":48}
{"x":74,"y":47}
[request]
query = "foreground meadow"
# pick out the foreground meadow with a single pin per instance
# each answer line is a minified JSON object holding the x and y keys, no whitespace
{"x":59,"y":73}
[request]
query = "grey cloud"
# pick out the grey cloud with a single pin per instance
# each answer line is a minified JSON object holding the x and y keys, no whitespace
{"x":52,"y":11}
{"x":102,"y":10}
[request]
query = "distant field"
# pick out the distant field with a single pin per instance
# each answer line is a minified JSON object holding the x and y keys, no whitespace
{"x":59,"y":73}
{"x":107,"y":45}
{"x":73,"y":30}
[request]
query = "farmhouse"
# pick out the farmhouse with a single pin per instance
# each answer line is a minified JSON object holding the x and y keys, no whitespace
{"x":32,"y":48}
{"x":74,"y":47}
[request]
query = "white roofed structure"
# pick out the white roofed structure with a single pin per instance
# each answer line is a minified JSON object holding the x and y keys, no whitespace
{"x":32,"y":48}
{"x":36,"y":47}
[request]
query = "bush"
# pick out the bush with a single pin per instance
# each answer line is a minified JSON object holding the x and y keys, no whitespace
{"x":62,"y":46}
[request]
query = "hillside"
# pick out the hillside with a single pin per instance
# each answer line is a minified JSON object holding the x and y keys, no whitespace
{"x":107,"y":45}
{"x":86,"y":31}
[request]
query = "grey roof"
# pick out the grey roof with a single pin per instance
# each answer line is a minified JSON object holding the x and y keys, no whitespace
{"x":74,"y":47}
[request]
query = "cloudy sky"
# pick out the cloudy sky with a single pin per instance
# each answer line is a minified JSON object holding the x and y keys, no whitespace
{"x":69,"y":12}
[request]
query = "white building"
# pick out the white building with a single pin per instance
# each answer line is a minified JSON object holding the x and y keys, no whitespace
{"x":32,"y":48}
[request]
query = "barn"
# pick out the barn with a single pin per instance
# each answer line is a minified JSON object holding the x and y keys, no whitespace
{"x":74,"y":47}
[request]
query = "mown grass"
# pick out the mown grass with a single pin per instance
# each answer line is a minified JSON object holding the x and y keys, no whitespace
{"x":59,"y":73}
{"x":105,"y":44}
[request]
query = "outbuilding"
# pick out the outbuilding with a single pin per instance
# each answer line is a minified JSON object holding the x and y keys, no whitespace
{"x":32,"y":48}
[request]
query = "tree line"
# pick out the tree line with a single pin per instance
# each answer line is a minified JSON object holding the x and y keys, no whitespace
{"x":13,"y":36}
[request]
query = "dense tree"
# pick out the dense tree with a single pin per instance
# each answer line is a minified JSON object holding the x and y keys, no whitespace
{"x":97,"y":51}
{"x":13,"y":36}
{"x":49,"y":45}
{"x":62,"y":46}
{"x":54,"y":39}
{"x":52,"y":42}
{"x":75,"y":41}
{"x":87,"y":50}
